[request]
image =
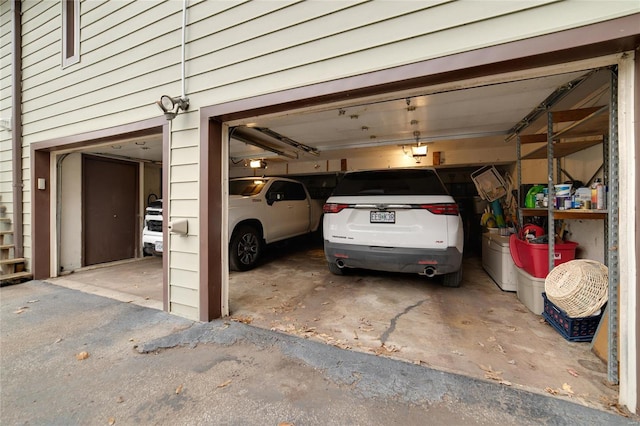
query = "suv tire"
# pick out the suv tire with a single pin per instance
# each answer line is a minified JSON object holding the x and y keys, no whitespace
{"x":333,"y":268}
{"x":453,"y":279}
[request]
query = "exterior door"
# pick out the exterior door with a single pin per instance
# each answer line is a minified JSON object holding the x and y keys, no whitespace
{"x":109,"y":209}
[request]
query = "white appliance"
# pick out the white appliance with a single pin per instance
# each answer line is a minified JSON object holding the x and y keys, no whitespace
{"x":497,"y":261}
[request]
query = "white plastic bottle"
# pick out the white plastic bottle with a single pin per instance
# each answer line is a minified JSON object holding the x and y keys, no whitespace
{"x":601,"y":203}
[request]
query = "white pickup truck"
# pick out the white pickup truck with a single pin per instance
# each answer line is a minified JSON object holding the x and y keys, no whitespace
{"x":266,"y":210}
{"x":261,"y":211}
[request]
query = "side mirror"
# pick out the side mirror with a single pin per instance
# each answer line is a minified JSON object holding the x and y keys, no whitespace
{"x":272,"y":197}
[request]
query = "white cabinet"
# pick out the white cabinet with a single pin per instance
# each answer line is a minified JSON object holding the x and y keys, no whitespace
{"x":497,"y":261}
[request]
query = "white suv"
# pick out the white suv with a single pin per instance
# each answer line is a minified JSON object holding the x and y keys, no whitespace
{"x":397,"y":220}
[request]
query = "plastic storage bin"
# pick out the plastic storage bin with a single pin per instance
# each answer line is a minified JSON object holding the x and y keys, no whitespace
{"x":497,"y":261}
{"x":572,"y":329}
{"x":529,"y":291}
{"x":534,"y":258}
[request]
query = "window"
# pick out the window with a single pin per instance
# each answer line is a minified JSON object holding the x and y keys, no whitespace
{"x":70,"y":32}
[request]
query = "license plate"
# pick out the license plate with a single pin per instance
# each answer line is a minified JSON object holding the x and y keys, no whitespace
{"x":158,"y":246}
{"x":383,"y":217}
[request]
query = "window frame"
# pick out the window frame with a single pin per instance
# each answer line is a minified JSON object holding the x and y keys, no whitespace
{"x":70,"y":29}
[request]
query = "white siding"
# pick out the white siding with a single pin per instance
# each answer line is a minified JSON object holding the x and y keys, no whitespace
{"x":6,"y":187}
{"x":130,"y":55}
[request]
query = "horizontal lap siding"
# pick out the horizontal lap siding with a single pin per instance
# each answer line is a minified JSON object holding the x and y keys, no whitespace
{"x":6,"y":61}
{"x":366,"y":37}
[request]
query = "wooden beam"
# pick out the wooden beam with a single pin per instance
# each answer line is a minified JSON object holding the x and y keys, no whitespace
{"x":534,"y":138}
{"x":573,"y":114}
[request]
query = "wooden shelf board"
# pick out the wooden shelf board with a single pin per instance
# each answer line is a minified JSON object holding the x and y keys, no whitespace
{"x":567,"y":214}
{"x":561,"y":149}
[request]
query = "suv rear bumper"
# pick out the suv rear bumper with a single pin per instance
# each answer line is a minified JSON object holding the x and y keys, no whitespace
{"x":394,"y":259}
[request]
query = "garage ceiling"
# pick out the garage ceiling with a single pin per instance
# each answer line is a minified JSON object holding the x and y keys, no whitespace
{"x":480,"y":116}
{"x":484,"y":114}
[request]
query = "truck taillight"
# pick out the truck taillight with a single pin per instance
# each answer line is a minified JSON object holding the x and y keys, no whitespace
{"x":334,"y":207}
{"x":447,"y":208}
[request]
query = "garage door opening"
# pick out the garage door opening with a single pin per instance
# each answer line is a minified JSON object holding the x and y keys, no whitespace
{"x":479,"y":329}
{"x":101,"y":196}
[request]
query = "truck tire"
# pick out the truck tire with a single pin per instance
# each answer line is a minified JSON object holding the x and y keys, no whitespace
{"x":245,"y":248}
{"x":453,"y":279}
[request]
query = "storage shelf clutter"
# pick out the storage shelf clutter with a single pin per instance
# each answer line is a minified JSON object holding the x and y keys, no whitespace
{"x":534,"y":258}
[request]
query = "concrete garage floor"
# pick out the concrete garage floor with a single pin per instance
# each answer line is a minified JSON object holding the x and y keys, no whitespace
{"x":476,"y":330}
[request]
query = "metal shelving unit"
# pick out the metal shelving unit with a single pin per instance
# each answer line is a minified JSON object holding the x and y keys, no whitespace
{"x":587,"y":127}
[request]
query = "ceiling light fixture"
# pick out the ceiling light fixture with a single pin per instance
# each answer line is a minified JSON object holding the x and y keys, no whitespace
{"x":418,"y":151}
{"x":257,"y":164}
{"x":171,"y":106}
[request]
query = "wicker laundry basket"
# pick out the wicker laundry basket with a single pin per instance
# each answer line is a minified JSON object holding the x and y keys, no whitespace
{"x":579,"y":287}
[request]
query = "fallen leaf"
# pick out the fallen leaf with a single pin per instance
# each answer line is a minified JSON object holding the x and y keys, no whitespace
{"x":491,"y":339}
{"x":567,"y":388}
{"x":112,"y":421}
{"x":244,"y":320}
{"x":573,"y":372}
{"x":33,"y":301}
{"x":491,"y":374}
{"x":501,"y":349}
{"x":551,"y":391}
{"x":325,"y":303}
{"x":457,"y":353}
{"x":82,"y":355}
{"x":58,"y":341}
{"x":120,"y":400}
{"x":21,"y":309}
{"x":226,"y":383}
{"x":505,"y":382}
{"x":285,"y":424}
{"x":179,"y":390}
{"x":512,"y":361}
{"x":355,"y":335}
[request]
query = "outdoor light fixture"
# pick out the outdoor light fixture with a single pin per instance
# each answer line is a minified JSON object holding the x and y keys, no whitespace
{"x":171,"y":106}
{"x":257,"y":164}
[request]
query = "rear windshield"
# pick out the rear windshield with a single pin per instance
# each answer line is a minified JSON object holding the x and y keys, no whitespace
{"x":391,"y":182}
{"x":246,"y":187}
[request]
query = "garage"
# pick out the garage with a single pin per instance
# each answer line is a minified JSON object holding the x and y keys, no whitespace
{"x":465,"y":127}
{"x":301,"y":94}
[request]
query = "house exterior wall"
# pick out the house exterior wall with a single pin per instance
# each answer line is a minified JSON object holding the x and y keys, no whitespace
{"x":6,"y":100}
{"x":236,"y":50}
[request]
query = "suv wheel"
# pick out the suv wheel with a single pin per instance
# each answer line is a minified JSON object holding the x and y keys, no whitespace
{"x":453,"y":279}
{"x":333,"y":268}
{"x":245,"y":249}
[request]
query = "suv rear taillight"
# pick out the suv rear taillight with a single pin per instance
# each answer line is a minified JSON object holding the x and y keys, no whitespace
{"x":448,"y":208}
{"x":334,"y":207}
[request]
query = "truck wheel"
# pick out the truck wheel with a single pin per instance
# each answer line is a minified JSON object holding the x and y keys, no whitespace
{"x":245,"y":248}
{"x":453,"y":279}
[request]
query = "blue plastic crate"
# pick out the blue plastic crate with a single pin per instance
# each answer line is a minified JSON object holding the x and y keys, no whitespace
{"x":572,"y":329}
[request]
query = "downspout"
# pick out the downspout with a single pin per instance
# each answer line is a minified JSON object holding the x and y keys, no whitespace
{"x":184,"y":30}
{"x":16,"y":125}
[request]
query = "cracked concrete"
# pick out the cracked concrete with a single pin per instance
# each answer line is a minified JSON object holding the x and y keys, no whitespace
{"x":394,"y":321}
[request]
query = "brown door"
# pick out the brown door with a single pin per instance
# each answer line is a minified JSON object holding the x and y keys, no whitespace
{"x":109,"y":209}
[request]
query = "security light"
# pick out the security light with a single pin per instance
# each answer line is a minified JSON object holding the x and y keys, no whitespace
{"x":171,"y":106}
